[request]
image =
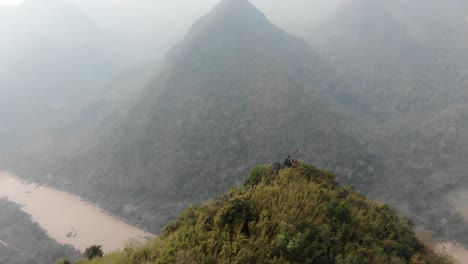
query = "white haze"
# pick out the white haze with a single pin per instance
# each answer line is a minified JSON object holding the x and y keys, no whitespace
{"x":150,"y":28}
{"x":43,"y":70}
{"x":10,"y":2}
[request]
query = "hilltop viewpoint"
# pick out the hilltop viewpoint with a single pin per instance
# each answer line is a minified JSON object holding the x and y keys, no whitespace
{"x":291,"y":215}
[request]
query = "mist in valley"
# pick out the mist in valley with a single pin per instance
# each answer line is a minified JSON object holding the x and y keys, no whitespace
{"x":143,"y":108}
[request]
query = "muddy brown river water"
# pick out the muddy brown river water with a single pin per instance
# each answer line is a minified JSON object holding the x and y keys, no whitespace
{"x":69,"y":219}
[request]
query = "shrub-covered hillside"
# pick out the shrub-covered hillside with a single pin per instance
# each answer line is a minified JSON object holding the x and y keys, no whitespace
{"x":298,"y":215}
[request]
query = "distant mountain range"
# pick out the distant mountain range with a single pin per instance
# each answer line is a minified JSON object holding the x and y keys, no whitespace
{"x":406,"y":65}
{"x":52,"y":57}
{"x":236,"y":92}
{"x":378,"y":97}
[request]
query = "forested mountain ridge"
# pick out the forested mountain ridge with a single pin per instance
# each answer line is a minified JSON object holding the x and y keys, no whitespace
{"x":65,"y":131}
{"x":374,"y":54}
{"x":400,"y":57}
{"x":294,"y":215}
{"x":237,"y":91}
{"x":407,"y":66}
{"x":381,"y":102}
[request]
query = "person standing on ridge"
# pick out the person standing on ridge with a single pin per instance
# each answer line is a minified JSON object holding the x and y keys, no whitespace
{"x":288,"y":163}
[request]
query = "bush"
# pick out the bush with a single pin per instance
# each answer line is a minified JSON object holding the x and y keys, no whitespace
{"x":300,"y":215}
{"x":234,"y":214}
{"x":94,"y":251}
{"x":256,"y":175}
{"x":63,"y":261}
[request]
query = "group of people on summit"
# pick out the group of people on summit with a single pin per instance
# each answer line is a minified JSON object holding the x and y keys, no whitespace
{"x":288,"y":163}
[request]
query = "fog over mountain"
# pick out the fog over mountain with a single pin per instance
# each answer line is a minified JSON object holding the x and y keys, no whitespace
{"x":54,"y":59}
{"x":151,"y":28}
{"x":147,"y":107}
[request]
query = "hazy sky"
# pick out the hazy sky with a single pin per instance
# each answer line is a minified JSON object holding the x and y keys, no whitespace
{"x":295,"y":11}
{"x":9,"y":2}
{"x":164,"y":22}
{"x":148,"y":28}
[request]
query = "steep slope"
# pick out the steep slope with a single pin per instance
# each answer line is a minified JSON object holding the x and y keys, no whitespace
{"x":300,"y":215}
{"x":407,"y":63}
{"x":237,"y":91}
{"x":440,"y":30}
{"x":425,"y":167}
{"x":64,"y":134}
{"x":373,"y":52}
{"x":401,"y":57}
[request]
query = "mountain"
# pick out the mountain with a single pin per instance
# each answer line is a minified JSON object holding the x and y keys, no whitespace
{"x":373,"y":52}
{"x":400,"y":57}
{"x":440,"y":29}
{"x":406,"y":65}
{"x":54,"y":58}
{"x":51,"y":141}
{"x":236,"y":92}
{"x":298,"y":215}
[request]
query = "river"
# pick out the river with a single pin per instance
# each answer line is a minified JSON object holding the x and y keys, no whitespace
{"x":69,"y":219}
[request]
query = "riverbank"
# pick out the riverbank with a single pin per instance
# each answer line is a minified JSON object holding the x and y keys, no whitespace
{"x":68,"y":218}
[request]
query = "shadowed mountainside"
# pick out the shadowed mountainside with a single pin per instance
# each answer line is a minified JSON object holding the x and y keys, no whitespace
{"x":406,"y":62}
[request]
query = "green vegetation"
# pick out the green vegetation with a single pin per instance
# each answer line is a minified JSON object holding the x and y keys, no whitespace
{"x":252,"y":92}
{"x":64,"y":261}
{"x":300,"y":215}
{"x":94,"y":251}
{"x":379,"y":100}
{"x":365,"y":40}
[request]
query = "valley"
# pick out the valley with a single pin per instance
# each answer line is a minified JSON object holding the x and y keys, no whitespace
{"x":67,"y":218}
{"x":103,"y":141}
